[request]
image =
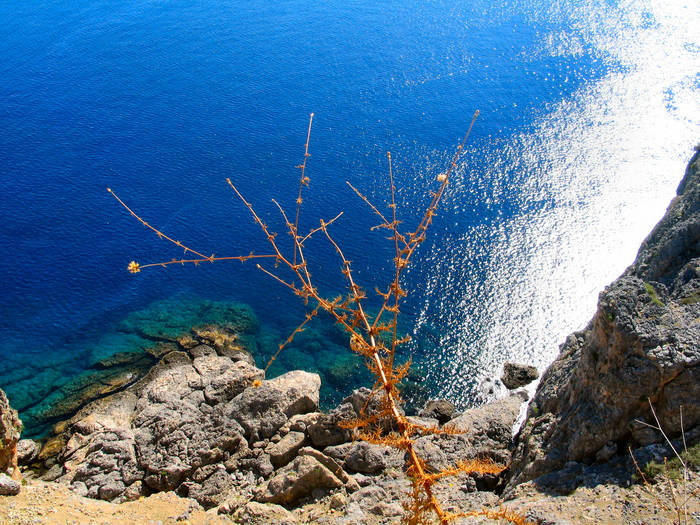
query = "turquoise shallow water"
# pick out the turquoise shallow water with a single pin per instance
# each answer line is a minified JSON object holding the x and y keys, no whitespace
{"x":589,"y":112}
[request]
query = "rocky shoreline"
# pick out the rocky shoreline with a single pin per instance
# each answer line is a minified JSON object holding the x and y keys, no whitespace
{"x":203,"y":423}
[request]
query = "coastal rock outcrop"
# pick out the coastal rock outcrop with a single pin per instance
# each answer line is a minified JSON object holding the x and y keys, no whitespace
{"x":483,"y":432}
{"x":642,"y":348}
{"x":204,"y":422}
{"x":10,"y":429}
{"x":192,"y":424}
{"x":440,"y":409}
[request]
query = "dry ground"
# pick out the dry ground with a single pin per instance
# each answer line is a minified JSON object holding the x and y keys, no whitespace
{"x":42,"y":503}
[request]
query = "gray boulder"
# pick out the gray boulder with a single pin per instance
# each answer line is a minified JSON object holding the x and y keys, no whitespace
{"x":366,"y":458}
{"x":332,"y":465}
{"x":327,"y":430}
{"x":8,"y":486}
{"x":27,"y":451}
{"x":440,"y":409}
{"x":297,"y":480}
{"x":262,"y":411}
{"x":516,"y":375}
{"x":209,"y":486}
{"x":286,"y":449}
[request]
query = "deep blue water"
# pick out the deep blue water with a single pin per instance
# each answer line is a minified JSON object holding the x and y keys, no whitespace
{"x":589,"y":110}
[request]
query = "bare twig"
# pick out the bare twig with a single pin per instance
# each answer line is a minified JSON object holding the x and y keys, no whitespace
{"x":364,"y":332}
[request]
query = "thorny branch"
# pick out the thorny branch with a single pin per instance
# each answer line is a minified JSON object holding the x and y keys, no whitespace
{"x":363,"y":330}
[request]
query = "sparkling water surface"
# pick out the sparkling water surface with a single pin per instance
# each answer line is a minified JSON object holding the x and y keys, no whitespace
{"x":589,"y":112}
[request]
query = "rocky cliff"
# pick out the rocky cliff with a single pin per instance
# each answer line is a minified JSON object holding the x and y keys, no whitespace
{"x":642,"y":346}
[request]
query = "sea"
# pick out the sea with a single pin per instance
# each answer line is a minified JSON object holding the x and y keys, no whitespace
{"x":589,"y":112}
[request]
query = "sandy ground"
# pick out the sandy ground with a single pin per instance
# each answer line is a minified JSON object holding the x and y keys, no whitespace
{"x":42,"y":503}
{"x":612,"y":505}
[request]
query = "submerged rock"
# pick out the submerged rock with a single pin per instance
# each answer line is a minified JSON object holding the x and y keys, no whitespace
{"x":108,"y":377}
{"x":167,"y":320}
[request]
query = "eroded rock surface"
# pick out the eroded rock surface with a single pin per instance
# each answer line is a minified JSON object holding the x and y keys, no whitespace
{"x":440,"y":409}
{"x":189,"y":425}
{"x":297,"y":480}
{"x":484,"y":433}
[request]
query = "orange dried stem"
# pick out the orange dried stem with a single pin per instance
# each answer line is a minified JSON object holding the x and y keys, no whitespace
{"x":396,"y":252}
{"x":302,"y":180}
{"x":241,"y":258}
{"x":316,"y":230}
{"x":386,"y":223}
{"x":159,"y":233}
{"x":417,"y":236}
{"x":290,"y":338}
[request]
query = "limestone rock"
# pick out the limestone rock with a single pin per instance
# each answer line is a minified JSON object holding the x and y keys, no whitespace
{"x":286,"y":449}
{"x":301,"y":422}
{"x":366,"y":402}
{"x":27,"y":451}
{"x":262,"y":411}
{"x":377,"y":500}
{"x":254,"y":513}
{"x":516,"y":375}
{"x":366,"y":458}
{"x":332,"y":465}
{"x":210,"y":491}
{"x":10,"y":429}
{"x":297,"y":480}
{"x":440,"y":409}
{"x":225,"y":379}
{"x":491,"y":424}
{"x":338,"y":501}
{"x":485,"y":432}
{"x":642,"y":344}
{"x":326,"y":430}
{"x":8,"y":486}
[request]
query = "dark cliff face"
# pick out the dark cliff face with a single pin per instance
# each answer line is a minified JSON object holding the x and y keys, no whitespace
{"x":642,"y":344}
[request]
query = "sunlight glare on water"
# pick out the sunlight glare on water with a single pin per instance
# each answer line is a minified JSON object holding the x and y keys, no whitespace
{"x":593,"y":176}
{"x":589,"y":112}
